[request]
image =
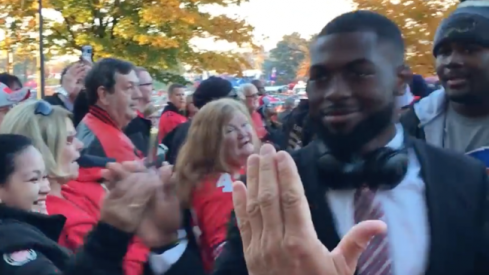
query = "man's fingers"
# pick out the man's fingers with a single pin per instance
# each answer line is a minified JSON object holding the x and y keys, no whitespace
{"x":268,"y":192}
{"x":240,"y":204}
{"x":117,"y":170}
{"x":252,"y":204}
{"x":296,"y":212}
{"x":107,"y":175}
{"x":356,"y":240}
{"x":134,"y":166}
{"x":166,"y":173}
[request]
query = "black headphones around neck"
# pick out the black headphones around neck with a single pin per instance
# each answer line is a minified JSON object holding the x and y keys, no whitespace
{"x":381,"y":169}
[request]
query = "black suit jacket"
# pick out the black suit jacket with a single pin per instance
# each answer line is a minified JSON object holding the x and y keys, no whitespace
{"x":457,"y":202}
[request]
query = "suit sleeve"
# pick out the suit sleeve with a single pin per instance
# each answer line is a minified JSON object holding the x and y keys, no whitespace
{"x":482,"y":261}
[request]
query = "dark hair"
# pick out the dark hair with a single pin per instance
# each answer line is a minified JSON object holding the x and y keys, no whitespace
{"x":211,"y":89}
{"x":367,"y":21}
{"x":174,"y":86}
{"x":9,"y":80}
{"x":103,"y":74}
{"x":12,"y":145}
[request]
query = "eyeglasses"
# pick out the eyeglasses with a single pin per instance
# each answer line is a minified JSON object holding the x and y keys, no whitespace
{"x":43,"y":108}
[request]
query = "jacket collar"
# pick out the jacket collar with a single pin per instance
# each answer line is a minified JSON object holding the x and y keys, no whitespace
{"x":49,"y":225}
{"x":170,"y":107}
{"x":102,"y":115}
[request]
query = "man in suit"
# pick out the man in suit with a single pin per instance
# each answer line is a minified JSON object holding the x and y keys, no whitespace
{"x":363,"y":167}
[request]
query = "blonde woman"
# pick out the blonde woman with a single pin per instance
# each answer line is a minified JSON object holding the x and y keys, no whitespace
{"x":220,"y":139}
{"x":52,"y":132}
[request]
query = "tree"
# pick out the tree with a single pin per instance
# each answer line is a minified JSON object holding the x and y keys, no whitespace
{"x":303,"y":70}
{"x":155,"y":34}
{"x":286,"y":57}
{"x":418,"y":20}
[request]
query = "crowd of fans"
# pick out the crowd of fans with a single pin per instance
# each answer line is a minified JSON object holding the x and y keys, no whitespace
{"x":230,"y":187}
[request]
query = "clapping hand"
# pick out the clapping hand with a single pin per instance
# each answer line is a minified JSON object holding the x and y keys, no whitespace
{"x":158,"y":214}
{"x":276,"y":227}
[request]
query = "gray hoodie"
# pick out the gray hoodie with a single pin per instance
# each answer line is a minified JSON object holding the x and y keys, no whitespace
{"x":431,"y":112}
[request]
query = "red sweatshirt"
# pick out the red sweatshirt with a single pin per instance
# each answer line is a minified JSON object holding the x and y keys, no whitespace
{"x":82,"y":210}
{"x":212,"y":203}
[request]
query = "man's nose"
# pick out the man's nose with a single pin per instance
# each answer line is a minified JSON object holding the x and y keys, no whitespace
{"x":136,"y":93}
{"x":338,"y":89}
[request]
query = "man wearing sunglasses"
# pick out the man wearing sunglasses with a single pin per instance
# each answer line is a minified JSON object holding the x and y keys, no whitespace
{"x":139,"y":129}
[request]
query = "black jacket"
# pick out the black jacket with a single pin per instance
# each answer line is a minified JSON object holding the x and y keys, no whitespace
{"x":139,"y":132}
{"x":174,"y":140}
{"x":55,"y":100}
{"x":458,"y":212}
{"x":28,"y":245}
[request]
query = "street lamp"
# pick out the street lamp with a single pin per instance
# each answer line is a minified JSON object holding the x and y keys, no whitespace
{"x":41,"y":51}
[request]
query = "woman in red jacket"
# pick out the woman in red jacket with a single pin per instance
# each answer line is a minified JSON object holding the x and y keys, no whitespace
{"x":53,"y":134}
{"x":220,"y":139}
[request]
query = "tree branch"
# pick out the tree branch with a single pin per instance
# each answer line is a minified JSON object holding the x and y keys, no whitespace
{"x":72,"y":34}
{"x":115,"y":19}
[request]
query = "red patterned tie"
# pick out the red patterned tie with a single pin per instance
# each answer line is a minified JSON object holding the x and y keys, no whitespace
{"x":375,"y":260}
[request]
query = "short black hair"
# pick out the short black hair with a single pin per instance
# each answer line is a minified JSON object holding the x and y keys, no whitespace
{"x":174,"y":86}
{"x":366,"y":21}
{"x":12,"y":145}
{"x":9,"y":79}
{"x":211,"y":89}
{"x":103,"y":74}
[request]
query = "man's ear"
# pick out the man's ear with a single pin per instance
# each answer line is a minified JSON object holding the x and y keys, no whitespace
{"x":404,"y":77}
{"x":102,"y":95}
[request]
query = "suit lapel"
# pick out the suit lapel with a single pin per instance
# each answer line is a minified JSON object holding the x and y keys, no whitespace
{"x":315,"y":191}
{"x":436,"y":182}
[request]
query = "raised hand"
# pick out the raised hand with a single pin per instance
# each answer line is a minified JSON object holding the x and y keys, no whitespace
{"x":276,"y":228}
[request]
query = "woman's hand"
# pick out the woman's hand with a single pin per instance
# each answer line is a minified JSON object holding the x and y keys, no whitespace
{"x":276,"y":227}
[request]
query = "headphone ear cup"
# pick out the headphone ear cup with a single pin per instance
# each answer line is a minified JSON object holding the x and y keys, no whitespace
{"x":330,"y":166}
{"x":395,"y":168}
{"x":341,"y":175}
{"x":387,"y":167}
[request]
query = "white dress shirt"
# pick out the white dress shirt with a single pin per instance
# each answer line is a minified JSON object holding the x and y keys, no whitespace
{"x":405,"y":213}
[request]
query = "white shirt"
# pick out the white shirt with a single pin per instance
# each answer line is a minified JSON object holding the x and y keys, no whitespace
{"x":406,"y":99}
{"x":405,"y":213}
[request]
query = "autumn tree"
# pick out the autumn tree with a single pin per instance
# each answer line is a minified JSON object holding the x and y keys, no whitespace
{"x":286,"y":58}
{"x":155,"y":34}
{"x":418,"y":20}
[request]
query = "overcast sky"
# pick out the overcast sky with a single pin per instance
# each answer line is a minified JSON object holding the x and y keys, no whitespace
{"x":273,"y":19}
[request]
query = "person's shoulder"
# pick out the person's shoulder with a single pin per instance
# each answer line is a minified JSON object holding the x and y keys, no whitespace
{"x":53,"y":99}
{"x":304,"y":154}
{"x":457,"y":163}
